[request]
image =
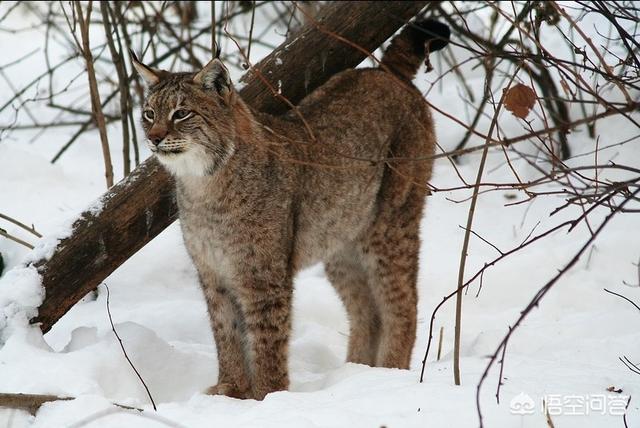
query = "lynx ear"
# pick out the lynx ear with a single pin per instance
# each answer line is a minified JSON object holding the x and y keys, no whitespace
{"x":148,"y":74}
{"x":214,"y":75}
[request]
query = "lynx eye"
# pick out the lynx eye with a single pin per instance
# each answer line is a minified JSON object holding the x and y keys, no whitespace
{"x":180,"y":114}
{"x":149,"y":115}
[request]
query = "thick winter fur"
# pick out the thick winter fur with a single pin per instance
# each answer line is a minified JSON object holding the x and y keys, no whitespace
{"x":262,"y":197}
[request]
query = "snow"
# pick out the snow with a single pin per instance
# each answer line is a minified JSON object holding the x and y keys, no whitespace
{"x":46,"y":246}
{"x":20,"y":295}
{"x":569,"y":347}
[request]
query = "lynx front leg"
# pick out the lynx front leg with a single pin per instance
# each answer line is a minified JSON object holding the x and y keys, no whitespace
{"x":228,"y":330}
{"x":267,"y":308}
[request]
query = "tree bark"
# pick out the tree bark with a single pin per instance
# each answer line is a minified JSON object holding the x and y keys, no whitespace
{"x":138,"y":208}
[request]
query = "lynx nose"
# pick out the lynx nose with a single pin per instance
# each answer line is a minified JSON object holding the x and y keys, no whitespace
{"x":157,"y":134}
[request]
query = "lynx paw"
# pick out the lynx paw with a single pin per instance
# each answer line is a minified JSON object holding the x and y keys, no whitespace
{"x":228,"y":389}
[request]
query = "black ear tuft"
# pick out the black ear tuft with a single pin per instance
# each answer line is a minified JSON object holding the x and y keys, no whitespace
{"x":150,"y":75}
{"x":133,"y":55}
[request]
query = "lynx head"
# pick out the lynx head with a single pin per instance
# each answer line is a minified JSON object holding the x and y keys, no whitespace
{"x":188,"y":118}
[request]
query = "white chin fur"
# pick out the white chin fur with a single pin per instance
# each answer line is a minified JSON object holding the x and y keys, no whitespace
{"x":192,"y":162}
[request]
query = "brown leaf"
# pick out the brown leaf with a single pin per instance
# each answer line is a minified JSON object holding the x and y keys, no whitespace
{"x":519,"y":100}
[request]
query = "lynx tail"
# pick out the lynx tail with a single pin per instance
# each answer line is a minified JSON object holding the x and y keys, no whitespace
{"x":416,"y":41}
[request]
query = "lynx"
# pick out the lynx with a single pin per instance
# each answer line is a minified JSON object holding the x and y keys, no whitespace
{"x":261,"y":197}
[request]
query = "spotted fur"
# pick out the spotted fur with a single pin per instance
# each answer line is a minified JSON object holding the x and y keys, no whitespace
{"x":262,"y":197}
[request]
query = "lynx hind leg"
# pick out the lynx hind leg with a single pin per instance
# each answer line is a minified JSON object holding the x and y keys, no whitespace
{"x":228,"y":326}
{"x":349,"y":278}
{"x":392,"y":244}
{"x":392,"y":248}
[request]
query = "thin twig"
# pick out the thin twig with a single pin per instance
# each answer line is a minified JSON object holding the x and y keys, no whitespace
{"x":32,"y":402}
{"x":96,"y":105}
{"x":535,"y":301}
{"x":22,"y":225}
{"x":6,"y":234}
{"x":118,"y":62}
{"x":440,"y":343}
{"x":113,"y":328}
{"x":631,"y":366}
{"x":467,"y":235}
{"x":253,"y":17}
{"x":623,"y":297}
{"x":624,"y":417}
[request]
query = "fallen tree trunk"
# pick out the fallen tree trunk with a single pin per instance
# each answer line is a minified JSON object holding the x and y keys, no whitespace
{"x":137,"y":209}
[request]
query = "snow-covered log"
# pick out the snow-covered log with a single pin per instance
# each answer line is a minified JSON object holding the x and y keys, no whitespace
{"x":134,"y":211}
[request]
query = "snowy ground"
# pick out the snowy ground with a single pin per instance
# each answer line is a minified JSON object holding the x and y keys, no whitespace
{"x":566,"y":351}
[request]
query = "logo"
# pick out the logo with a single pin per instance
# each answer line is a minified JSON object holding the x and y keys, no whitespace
{"x":522,"y":404}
